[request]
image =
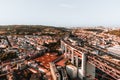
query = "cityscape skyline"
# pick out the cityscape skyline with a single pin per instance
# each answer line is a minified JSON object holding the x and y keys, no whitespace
{"x":60,"y":12}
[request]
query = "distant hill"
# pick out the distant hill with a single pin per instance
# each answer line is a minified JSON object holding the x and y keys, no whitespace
{"x":114,"y":32}
{"x":33,"y":29}
{"x":94,"y":30}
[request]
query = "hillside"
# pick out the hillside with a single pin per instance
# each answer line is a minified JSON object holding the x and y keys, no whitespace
{"x":33,"y":29}
{"x":114,"y":32}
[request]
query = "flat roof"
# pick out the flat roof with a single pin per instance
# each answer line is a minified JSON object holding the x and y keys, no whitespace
{"x":45,"y":59}
{"x":114,"y":50}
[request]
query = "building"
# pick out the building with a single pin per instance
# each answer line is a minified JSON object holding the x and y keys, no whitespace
{"x":54,"y":72}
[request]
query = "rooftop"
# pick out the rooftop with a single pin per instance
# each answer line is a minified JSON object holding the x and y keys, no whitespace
{"x":115,"y":49}
{"x":45,"y":59}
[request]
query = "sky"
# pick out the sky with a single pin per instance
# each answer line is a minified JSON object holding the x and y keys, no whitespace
{"x":60,"y":12}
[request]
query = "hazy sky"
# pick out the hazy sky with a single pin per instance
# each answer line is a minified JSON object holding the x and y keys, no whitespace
{"x":60,"y":12}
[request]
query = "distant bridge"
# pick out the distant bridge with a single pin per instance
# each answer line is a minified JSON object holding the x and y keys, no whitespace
{"x":86,"y":57}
